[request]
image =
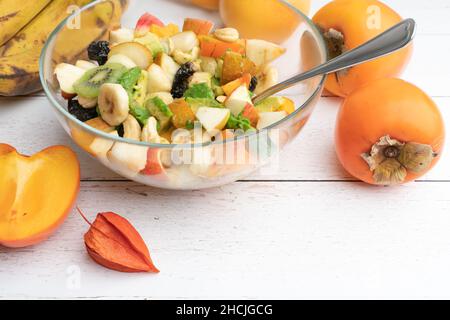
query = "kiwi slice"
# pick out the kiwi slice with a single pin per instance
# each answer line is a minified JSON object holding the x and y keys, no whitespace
{"x":89,"y":84}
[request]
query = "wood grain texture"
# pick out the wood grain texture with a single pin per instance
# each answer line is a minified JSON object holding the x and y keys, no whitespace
{"x":359,"y":241}
{"x":306,"y":231}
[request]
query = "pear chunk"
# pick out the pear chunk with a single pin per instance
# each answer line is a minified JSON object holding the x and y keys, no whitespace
{"x":262,"y":52}
{"x":213,"y":118}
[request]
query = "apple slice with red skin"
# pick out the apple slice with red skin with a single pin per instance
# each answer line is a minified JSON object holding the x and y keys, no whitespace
{"x":251,"y":113}
{"x":144,"y":23}
{"x":154,"y":165}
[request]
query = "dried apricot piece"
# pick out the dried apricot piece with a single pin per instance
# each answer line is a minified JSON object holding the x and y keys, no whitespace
{"x":182,"y":113}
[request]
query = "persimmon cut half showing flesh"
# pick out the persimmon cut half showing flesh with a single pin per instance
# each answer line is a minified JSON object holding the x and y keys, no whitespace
{"x":36,"y":193}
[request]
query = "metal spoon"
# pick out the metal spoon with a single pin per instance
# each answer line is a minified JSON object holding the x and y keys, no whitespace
{"x":389,"y":41}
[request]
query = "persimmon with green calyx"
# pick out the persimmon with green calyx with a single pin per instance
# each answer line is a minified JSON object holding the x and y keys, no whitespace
{"x":36,"y":193}
{"x":347,"y":24}
{"x":389,"y":132}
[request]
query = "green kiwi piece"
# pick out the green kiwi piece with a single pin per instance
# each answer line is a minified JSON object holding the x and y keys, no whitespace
{"x":89,"y":84}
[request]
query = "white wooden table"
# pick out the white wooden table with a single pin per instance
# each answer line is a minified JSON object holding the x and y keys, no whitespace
{"x":308,"y":231}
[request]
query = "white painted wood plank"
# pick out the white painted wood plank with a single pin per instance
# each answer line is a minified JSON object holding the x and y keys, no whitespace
{"x":429,"y":68}
{"x":30,"y":125}
{"x":253,"y":239}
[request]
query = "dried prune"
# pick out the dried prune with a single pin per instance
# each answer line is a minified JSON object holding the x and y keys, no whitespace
{"x":120,"y":130}
{"x":253,"y":84}
{"x":98,"y":51}
{"x":81,"y":113}
{"x":181,"y":80}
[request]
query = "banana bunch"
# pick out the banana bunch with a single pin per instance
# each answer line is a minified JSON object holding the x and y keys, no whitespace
{"x":25,"y":27}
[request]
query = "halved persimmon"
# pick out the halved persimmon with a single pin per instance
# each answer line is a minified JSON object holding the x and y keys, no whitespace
{"x":389,"y":132}
{"x":36,"y":193}
{"x":346,"y":24}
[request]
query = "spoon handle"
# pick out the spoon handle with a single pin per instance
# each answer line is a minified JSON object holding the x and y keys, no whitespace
{"x":389,"y":41}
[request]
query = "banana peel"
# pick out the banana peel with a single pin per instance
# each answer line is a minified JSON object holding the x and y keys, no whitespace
{"x":14,"y":15}
{"x":19,"y":74}
{"x":19,"y":57}
{"x":95,"y":25}
{"x":35,"y":33}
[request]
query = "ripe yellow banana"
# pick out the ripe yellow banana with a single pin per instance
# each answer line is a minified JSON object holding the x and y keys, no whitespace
{"x":14,"y":15}
{"x":19,"y":57}
{"x":95,"y":25}
{"x":19,"y":74}
{"x":36,"y":32}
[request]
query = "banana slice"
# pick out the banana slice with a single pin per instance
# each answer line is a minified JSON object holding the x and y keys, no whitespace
{"x":131,"y":128}
{"x":267,"y":78}
{"x":113,"y":103}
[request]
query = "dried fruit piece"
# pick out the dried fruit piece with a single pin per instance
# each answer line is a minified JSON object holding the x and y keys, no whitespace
{"x":81,"y":113}
{"x":181,"y":81}
{"x":235,"y":65}
{"x":212,"y":47}
{"x":115,"y":244}
{"x":182,"y":113}
{"x":253,"y":84}
{"x":98,"y":51}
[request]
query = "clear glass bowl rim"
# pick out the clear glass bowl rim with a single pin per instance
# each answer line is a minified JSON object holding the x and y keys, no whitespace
{"x":102,"y":134}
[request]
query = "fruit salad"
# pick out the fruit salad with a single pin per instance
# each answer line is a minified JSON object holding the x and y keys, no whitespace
{"x":149,"y":82}
{"x":176,"y":78}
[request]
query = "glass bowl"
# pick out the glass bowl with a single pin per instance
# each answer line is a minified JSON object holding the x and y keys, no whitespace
{"x":203,"y":162}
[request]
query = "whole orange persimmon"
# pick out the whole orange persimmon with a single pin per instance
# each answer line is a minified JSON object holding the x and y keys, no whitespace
{"x":389,"y":132}
{"x":207,"y":4}
{"x":263,"y":19}
{"x":346,"y":24}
